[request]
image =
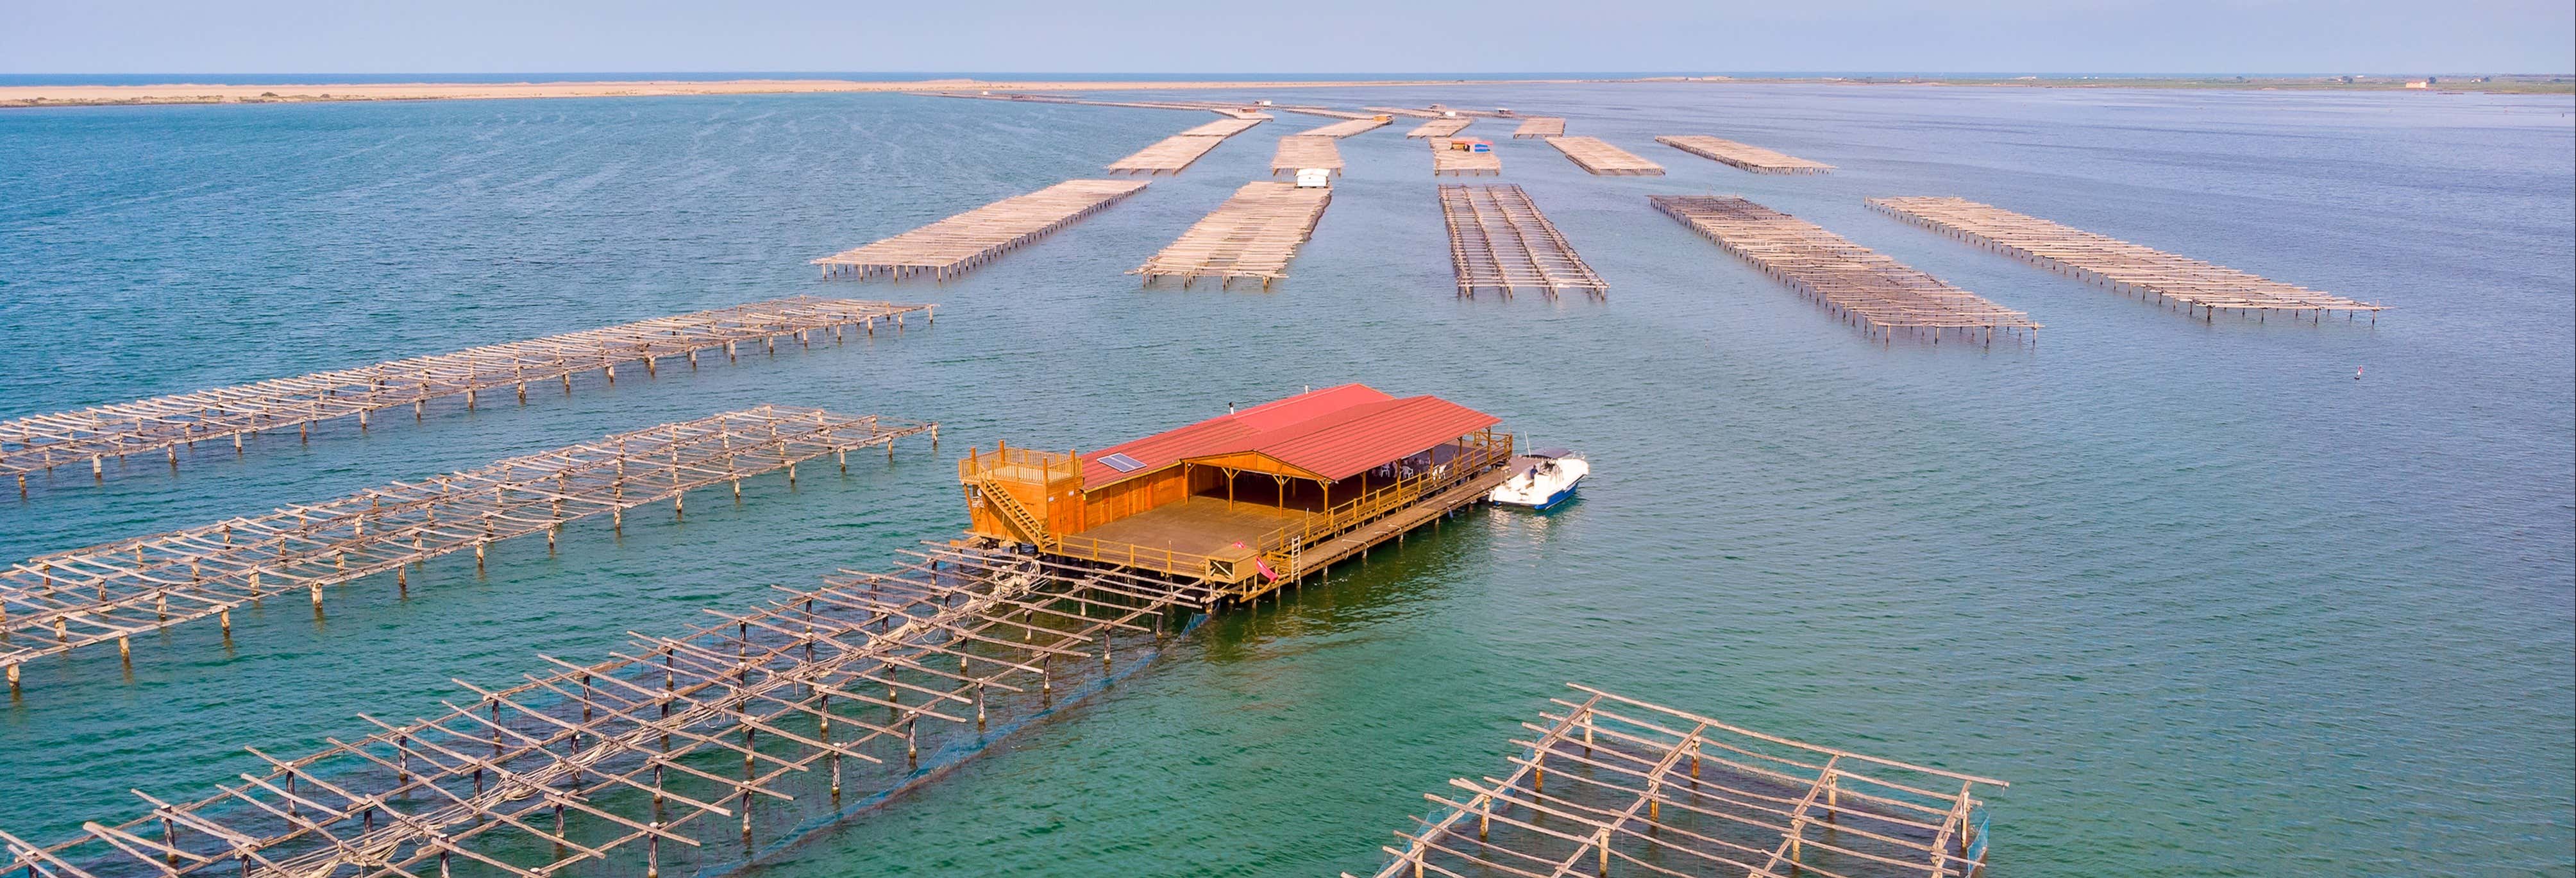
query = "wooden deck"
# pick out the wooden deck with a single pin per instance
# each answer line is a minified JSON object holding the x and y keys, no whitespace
{"x":1743,"y":155}
{"x":1450,"y":162}
{"x":1601,"y":159}
{"x":1172,"y":154}
{"x":90,"y":436}
{"x":1252,"y":235}
{"x":1540,"y":126}
{"x":1860,"y":286}
{"x":1438,"y":128}
{"x":1195,"y":527}
{"x":63,"y":601}
{"x":1346,"y":127}
{"x":2118,"y":265}
{"x":961,"y":243}
{"x":1305,"y":151}
{"x":1499,"y":242}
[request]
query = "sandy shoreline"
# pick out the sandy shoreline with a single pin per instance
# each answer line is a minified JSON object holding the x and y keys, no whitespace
{"x":183,"y":93}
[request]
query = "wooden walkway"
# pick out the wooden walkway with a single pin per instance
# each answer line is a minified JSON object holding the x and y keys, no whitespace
{"x":63,"y":601}
{"x":1305,"y":151}
{"x":1451,"y":162}
{"x":1746,"y":156}
{"x":1540,"y":126}
{"x":91,"y":436}
{"x":1251,"y":235}
{"x":1405,"y":111}
{"x":1863,"y":287}
{"x":674,"y":755}
{"x":1500,"y":242}
{"x":961,"y":243}
{"x":1347,"y":127}
{"x":2119,"y":265}
{"x":1663,"y":792}
{"x":1599,"y":157}
{"x":1438,"y":128}
{"x":1171,"y":154}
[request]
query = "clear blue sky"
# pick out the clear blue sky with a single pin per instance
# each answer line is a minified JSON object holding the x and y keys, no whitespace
{"x":1464,"y":36}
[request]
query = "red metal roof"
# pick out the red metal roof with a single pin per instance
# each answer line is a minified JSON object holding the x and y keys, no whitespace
{"x":1336,"y":433}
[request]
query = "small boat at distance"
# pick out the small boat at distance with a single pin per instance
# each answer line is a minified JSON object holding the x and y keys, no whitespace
{"x":1542,"y":478}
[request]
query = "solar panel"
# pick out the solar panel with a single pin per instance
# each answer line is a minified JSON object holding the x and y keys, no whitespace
{"x":1122,"y":463}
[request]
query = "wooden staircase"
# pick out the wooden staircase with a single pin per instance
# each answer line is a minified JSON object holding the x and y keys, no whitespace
{"x":1019,"y":516}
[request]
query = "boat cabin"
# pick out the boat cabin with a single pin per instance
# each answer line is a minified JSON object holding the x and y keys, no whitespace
{"x":1249,"y":499}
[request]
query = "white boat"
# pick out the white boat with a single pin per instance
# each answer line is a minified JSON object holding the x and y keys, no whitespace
{"x":1542,"y":478}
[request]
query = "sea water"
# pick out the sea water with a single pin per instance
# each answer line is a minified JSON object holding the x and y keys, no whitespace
{"x":2211,"y":604}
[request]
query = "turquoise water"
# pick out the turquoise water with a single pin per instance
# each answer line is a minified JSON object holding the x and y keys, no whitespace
{"x":2212,"y":605}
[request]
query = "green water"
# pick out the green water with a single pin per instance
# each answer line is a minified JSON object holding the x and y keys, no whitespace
{"x":2212,"y":605}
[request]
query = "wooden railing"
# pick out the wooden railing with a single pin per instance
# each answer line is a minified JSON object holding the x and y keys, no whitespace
{"x":1132,"y":555}
{"x":1316,"y":527}
{"x":977,"y":466}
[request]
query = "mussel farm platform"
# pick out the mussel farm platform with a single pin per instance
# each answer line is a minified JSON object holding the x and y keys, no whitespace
{"x":1613,"y":785}
{"x":1599,"y":158}
{"x":1539,"y":126}
{"x":1449,"y":159}
{"x":1743,"y":155}
{"x":1437,"y":128}
{"x":1301,"y":151}
{"x":1251,"y":236}
{"x":90,"y":436}
{"x":1864,"y":288}
{"x":2110,"y":262}
{"x":58,"y":602}
{"x":960,"y":243}
{"x":1173,"y":154}
{"x":676,"y":755}
{"x":1500,"y":242}
{"x":1346,"y":127}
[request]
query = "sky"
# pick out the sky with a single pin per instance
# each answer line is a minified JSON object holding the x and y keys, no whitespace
{"x":1309,"y":36}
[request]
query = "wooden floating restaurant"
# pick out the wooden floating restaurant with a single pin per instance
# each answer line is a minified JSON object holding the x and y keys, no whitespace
{"x":961,"y":243}
{"x":1657,"y":791}
{"x":1743,"y":155}
{"x":1500,"y":242}
{"x":1171,"y":154}
{"x":1302,"y":151}
{"x":1252,"y":235}
{"x":1856,"y":284}
{"x":674,"y":754}
{"x":1599,"y":158}
{"x":1246,"y":502}
{"x":2119,"y":265}
{"x":1458,"y":158}
{"x":42,"y":442}
{"x":1539,"y":126}
{"x":58,"y":602}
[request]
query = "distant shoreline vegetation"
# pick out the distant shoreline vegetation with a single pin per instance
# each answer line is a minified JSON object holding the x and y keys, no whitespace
{"x":31,"y":90}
